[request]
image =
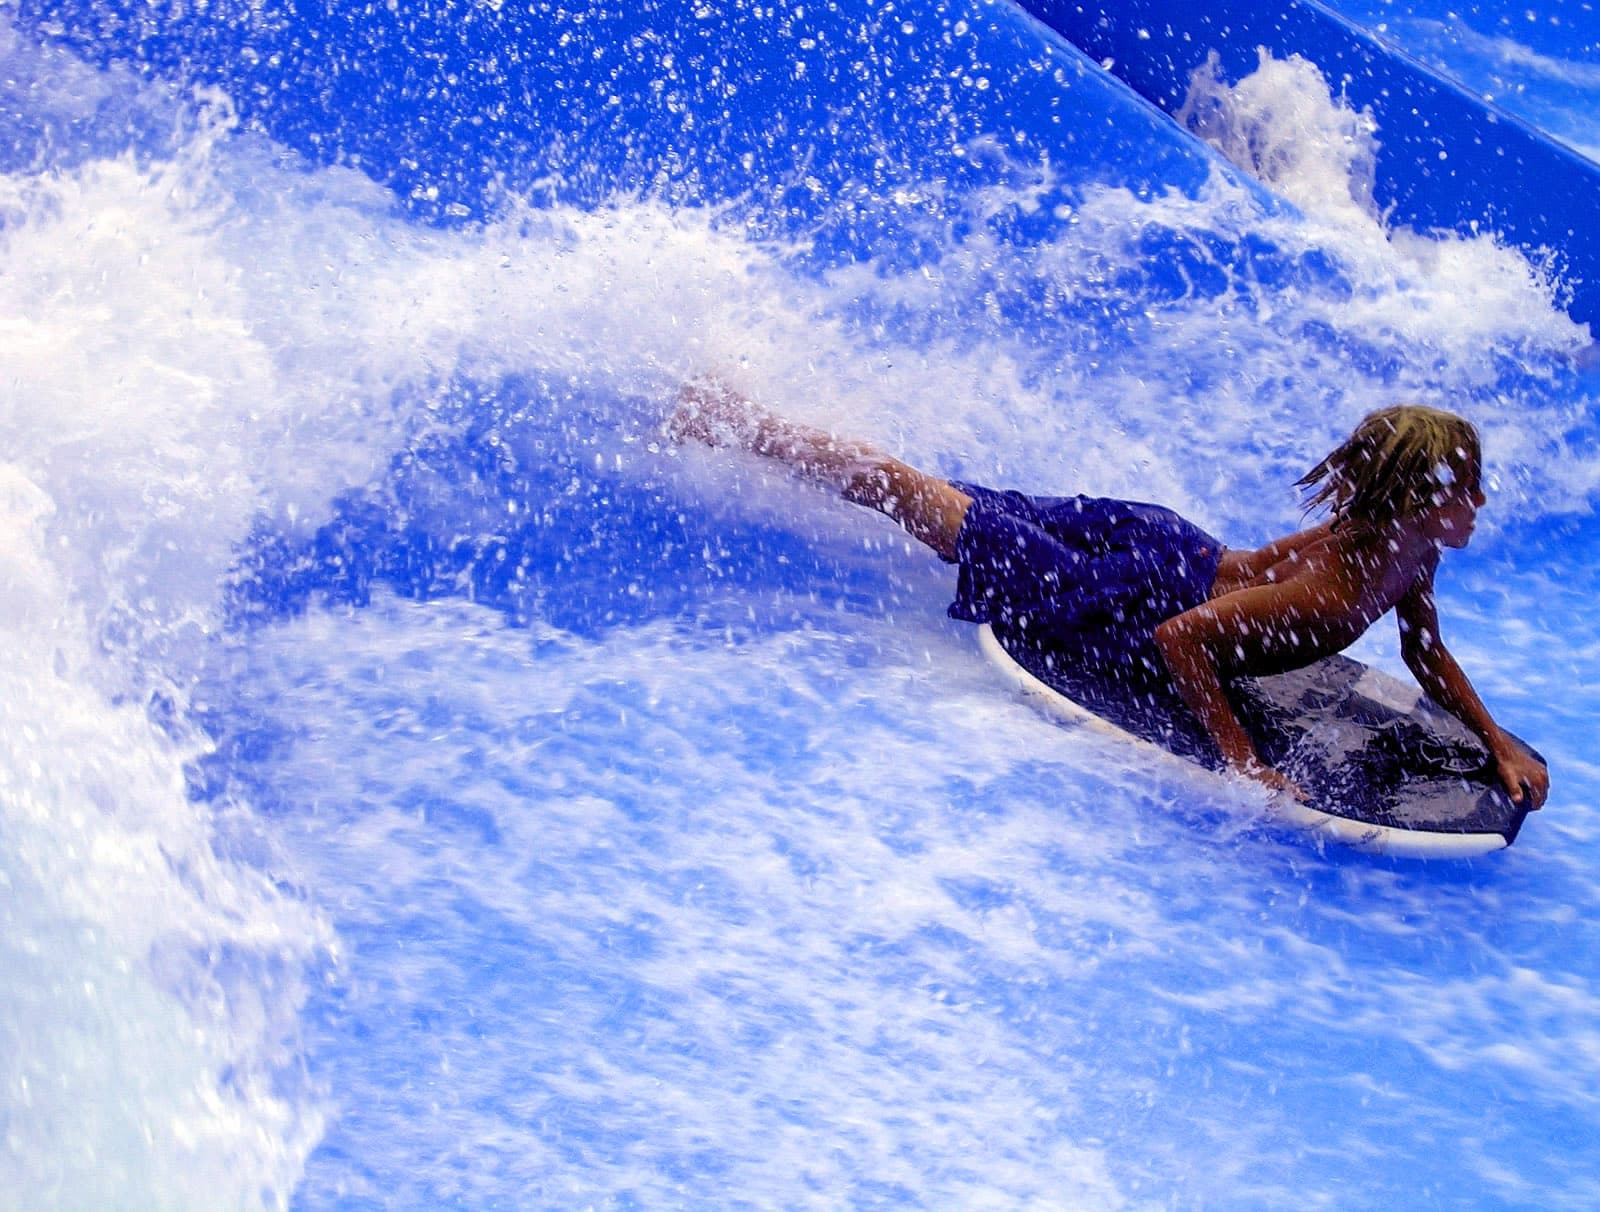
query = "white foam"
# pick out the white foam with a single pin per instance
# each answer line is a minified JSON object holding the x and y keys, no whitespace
{"x":1440,"y":291}
{"x":199,"y":334}
{"x":150,"y":983}
{"x":797,"y":939}
{"x":1282,"y":124}
{"x":208,"y":334}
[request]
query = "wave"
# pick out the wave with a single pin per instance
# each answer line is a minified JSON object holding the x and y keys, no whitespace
{"x":219,"y":358}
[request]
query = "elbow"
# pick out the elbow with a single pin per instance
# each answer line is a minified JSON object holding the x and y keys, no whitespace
{"x":1190,"y":658}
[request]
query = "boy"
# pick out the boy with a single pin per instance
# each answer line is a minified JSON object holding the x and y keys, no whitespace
{"x":1152,"y":601}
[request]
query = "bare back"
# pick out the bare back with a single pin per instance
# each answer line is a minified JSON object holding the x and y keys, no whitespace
{"x":1313,"y":593}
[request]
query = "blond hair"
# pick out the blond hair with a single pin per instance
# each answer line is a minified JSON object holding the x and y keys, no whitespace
{"x":1398,"y":460}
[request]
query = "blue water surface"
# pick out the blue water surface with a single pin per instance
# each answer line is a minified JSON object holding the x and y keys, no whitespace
{"x":1541,"y":64}
{"x":532,"y":814}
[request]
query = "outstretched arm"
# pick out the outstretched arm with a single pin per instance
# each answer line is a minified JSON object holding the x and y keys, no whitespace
{"x":1438,"y":674}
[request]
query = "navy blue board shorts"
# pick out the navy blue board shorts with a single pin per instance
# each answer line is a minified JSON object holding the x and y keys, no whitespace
{"x":1075,"y":587}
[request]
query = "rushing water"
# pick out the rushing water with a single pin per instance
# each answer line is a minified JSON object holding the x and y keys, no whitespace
{"x":1541,"y":64}
{"x":421,"y":787}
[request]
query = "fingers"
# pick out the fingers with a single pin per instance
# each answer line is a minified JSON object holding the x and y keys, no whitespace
{"x":1538,"y":787}
{"x":1275,"y":781}
{"x":1510,"y":779}
{"x":1525,"y":782}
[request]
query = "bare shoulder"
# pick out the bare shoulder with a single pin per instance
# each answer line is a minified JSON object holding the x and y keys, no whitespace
{"x":1316,"y":598}
{"x":1274,"y":625}
{"x":1277,"y":561}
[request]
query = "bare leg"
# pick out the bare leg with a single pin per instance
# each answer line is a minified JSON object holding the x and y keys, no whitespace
{"x":930,"y":509}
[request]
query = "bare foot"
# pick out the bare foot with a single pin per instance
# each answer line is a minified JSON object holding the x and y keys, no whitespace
{"x":710,"y":413}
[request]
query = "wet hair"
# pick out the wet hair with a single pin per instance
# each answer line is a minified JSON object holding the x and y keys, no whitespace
{"x":1399,"y":460}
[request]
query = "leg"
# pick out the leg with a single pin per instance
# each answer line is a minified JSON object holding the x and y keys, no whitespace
{"x":930,"y":509}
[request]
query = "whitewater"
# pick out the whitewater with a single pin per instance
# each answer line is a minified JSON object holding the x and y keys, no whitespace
{"x":422,"y":785}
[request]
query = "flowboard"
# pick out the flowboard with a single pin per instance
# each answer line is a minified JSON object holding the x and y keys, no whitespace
{"x":1384,"y":768}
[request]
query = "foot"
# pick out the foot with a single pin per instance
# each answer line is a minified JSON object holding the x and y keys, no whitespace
{"x":710,"y":413}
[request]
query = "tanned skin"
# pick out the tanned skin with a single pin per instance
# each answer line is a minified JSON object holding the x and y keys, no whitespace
{"x":1276,"y":608}
{"x":1312,"y":594}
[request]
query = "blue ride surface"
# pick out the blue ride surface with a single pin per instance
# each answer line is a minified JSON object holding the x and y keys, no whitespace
{"x":1448,"y":158}
{"x":421,"y":786}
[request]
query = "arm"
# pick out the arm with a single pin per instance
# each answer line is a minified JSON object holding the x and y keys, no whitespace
{"x":1438,"y":674}
{"x":1255,"y":630}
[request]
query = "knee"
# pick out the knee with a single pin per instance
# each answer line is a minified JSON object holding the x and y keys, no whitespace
{"x":896,"y":488}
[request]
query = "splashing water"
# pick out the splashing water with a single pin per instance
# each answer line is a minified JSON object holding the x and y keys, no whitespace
{"x":1282,"y":124}
{"x":422,"y":787}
